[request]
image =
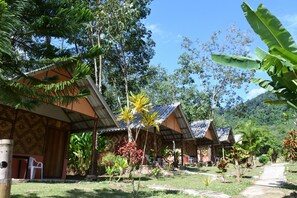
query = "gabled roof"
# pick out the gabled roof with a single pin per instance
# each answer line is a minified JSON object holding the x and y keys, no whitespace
{"x":164,"y":112}
{"x":224,"y":134}
{"x":200,"y":129}
{"x":80,"y":121}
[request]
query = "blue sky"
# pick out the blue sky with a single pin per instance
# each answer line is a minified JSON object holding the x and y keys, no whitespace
{"x":170,"y":20}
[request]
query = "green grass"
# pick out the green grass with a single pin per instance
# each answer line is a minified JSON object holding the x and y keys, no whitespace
{"x":123,"y":189}
{"x":291,"y":173}
{"x":291,"y":176}
{"x":85,"y":189}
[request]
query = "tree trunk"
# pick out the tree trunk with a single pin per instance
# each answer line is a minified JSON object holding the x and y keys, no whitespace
{"x":100,"y":65}
{"x":237,"y":168}
{"x":6,"y":146}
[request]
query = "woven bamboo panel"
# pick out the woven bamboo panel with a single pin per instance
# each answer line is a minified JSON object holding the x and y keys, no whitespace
{"x":5,"y":129}
{"x":190,"y":148}
{"x":7,"y":113}
{"x":29,"y":133}
{"x":58,"y":124}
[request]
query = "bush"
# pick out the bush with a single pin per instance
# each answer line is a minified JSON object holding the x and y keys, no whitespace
{"x":156,"y":172}
{"x":114,"y":165}
{"x":263,"y":159}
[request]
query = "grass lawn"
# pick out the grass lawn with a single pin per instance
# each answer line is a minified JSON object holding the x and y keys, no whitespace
{"x":291,"y":176}
{"x":124,"y":188}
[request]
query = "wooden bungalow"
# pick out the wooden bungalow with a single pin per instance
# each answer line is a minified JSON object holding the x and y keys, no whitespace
{"x":174,"y":130}
{"x":43,"y":133}
{"x":226,"y":138}
{"x":206,"y":138}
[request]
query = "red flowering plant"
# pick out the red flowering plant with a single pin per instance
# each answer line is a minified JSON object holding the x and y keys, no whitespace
{"x":133,"y":155}
{"x":119,"y":145}
{"x":290,"y":146}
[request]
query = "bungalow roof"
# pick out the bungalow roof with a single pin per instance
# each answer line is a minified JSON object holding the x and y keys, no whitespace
{"x":225,"y":134}
{"x":204,"y":131}
{"x":79,"y":121}
{"x":164,"y":112}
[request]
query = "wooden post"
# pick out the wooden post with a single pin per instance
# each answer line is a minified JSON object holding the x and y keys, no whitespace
{"x":94,"y":150}
{"x":6,"y":146}
{"x":182,"y":150}
{"x":197,"y":152}
{"x":155,"y":144}
{"x":223,"y":151}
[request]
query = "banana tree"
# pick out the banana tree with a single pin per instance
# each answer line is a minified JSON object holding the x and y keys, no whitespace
{"x":280,"y":62}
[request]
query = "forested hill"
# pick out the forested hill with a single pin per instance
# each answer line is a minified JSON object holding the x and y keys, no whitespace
{"x":278,"y":118}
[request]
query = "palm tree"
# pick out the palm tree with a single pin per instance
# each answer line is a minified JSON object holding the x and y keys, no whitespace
{"x":252,"y":138}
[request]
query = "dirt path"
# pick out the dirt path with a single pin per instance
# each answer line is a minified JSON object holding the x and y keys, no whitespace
{"x":265,"y":187}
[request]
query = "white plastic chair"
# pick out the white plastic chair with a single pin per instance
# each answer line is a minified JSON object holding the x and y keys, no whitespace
{"x":33,"y":165}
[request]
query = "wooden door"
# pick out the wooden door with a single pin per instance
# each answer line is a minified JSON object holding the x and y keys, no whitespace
{"x":55,"y":150}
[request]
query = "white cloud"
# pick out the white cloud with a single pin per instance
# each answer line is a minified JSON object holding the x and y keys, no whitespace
{"x":155,"y":28}
{"x":255,"y":92}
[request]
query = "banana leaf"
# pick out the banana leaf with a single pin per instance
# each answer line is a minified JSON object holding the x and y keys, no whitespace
{"x":236,"y":61}
{"x":269,"y":28}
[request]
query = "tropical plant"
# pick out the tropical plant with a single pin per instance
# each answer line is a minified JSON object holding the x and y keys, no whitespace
{"x":115,"y":165}
{"x":280,"y":62}
{"x":222,"y":166}
{"x":80,"y":153}
{"x":272,"y":154}
{"x":132,"y":153}
{"x":263,"y":159}
{"x":290,"y":146}
{"x":156,"y":172}
{"x":239,"y":157}
{"x":253,"y":139}
{"x":139,"y":107}
{"x":207,"y":181}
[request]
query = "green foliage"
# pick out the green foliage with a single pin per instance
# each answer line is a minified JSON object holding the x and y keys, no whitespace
{"x":239,"y":157}
{"x":115,"y":165}
{"x":156,"y":172}
{"x":80,"y":153}
{"x":254,"y":138}
{"x":223,"y":165}
{"x":290,"y":146}
{"x":279,"y":63}
{"x":207,"y":181}
{"x":263,"y":159}
{"x":275,"y":119}
{"x":128,"y":47}
{"x":199,"y":84}
{"x":31,"y":37}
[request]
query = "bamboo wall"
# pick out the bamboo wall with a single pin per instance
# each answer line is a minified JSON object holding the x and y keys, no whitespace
{"x":31,"y":134}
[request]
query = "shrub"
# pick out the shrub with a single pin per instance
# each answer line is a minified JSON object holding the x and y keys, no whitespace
{"x":80,"y":153}
{"x":133,"y":155}
{"x":223,"y":165}
{"x":263,"y":159}
{"x":114,"y":165}
{"x":156,"y":172}
{"x":290,"y":146}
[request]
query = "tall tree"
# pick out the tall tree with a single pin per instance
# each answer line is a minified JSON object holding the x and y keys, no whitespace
{"x":218,"y":82}
{"x":128,"y":46}
{"x":33,"y":33}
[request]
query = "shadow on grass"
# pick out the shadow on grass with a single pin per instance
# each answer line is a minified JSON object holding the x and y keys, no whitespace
{"x":196,"y":170}
{"x":291,"y":195}
{"x":105,"y":192}
{"x":292,"y":171}
{"x":33,"y":195}
{"x":289,"y":186}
